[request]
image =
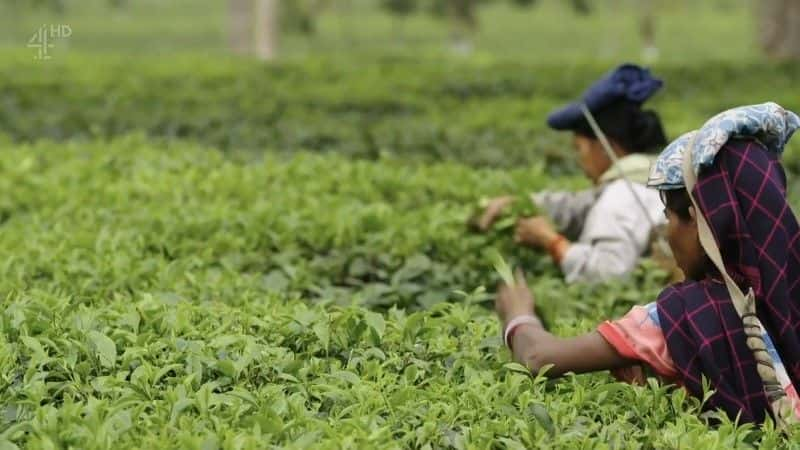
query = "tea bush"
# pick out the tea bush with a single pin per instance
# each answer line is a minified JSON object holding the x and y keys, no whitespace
{"x":222,"y":254}
{"x":162,"y":296}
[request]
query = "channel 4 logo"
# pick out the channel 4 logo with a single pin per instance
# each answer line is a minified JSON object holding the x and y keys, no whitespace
{"x":43,"y":40}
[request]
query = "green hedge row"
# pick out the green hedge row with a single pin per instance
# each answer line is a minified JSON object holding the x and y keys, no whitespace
{"x":477,"y":113}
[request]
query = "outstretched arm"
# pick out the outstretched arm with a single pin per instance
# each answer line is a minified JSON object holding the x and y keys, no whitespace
{"x":567,"y":210}
{"x":536,"y":348}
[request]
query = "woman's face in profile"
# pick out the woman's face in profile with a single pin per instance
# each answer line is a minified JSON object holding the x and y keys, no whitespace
{"x":685,"y":244}
{"x":591,"y":157}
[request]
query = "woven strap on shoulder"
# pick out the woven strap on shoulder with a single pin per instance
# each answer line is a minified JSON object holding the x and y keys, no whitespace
{"x":745,"y":305}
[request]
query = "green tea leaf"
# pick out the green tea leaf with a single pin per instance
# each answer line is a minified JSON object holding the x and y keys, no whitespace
{"x":104,"y":348}
{"x":539,"y":412}
{"x":179,"y":407}
{"x":323,"y":332}
{"x":512,"y":444}
{"x":33,"y":344}
{"x":346,"y":376}
{"x":226,"y":367}
{"x":502,"y":268}
{"x":6,"y":445}
{"x":516,"y":367}
{"x":376,"y":322}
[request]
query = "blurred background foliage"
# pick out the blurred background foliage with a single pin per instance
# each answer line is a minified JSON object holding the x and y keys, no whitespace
{"x":460,"y":80}
{"x":522,"y":30}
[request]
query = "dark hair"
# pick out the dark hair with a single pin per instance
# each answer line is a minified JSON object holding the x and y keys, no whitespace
{"x":677,"y":201}
{"x":626,"y":123}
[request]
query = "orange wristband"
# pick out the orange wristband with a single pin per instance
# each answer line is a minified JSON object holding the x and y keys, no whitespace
{"x":557,"y":248}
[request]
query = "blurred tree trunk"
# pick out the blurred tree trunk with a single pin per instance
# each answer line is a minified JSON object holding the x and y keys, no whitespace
{"x":647,"y":30}
{"x":267,"y":29}
{"x":780,"y":28}
{"x":240,"y":26}
{"x":464,"y":24}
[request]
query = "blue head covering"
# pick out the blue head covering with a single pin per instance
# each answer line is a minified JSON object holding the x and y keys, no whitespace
{"x":769,"y":123}
{"x":627,"y":82}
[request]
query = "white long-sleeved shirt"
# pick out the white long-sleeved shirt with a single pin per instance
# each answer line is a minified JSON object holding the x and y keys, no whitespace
{"x":609,"y":224}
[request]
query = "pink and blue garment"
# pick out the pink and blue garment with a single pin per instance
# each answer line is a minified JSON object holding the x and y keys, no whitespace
{"x":638,"y":336}
{"x":741,"y":191}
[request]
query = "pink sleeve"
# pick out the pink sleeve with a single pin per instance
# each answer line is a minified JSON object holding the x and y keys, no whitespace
{"x":637,"y":335}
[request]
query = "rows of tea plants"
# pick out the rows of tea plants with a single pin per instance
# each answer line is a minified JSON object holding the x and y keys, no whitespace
{"x":381,"y":234}
{"x":161,"y":295}
{"x":476,"y":112}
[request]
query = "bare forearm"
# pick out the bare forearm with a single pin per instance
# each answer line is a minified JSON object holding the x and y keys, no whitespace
{"x":536,"y":348}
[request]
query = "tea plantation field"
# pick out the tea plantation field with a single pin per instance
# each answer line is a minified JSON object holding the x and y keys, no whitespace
{"x":236,"y":256}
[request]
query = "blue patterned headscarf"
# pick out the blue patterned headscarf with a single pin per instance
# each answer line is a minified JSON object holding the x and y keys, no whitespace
{"x":768,"y":123}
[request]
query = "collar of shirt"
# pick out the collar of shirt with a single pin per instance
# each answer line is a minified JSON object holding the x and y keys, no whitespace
{"x":635,"y":167}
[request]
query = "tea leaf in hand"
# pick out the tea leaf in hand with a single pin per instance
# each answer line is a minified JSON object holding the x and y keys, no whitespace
{"x":502,"y":268}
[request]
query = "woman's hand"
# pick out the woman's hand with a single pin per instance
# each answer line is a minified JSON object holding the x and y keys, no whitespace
{"x":535,"y":232}
{"x":536,"y":348}
{"x":514,"y":301}
{"x":493,"y":211}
